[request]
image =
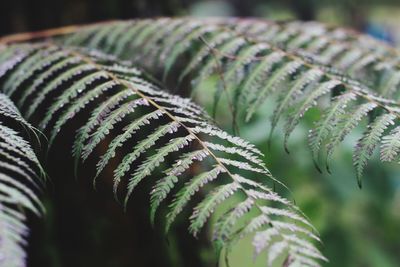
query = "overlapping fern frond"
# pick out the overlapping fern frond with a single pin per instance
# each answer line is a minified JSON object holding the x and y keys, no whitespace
{"x":298,"y":63}
{"x":20,"y":183}
{"x":151,"y":135}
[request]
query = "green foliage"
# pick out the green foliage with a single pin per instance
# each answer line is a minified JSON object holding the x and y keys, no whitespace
{"x":149,"y":133}
{"x":95,"y":80}
{"x":300,"y":64}
{"x":20,"y":184}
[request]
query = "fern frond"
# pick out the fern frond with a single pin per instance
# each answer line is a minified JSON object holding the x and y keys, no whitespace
{"x":328,"y":122}
{"x":390,"y":145}
{"x":97,"y":116}
{"x":366,"y":145}
{"x":278,"y":76}
{"x":359,"y":55}
{"x":256,"y":59}
{"x":154,"y":134}
{"x":346,"y":123}
{"x":124,"y":137}
{"x":306,"y":104}
{"x":205,"y":208}
{"x":20,"y":184}
{"x":286,"y":99}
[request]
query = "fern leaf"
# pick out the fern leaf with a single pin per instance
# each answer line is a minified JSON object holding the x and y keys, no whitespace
{"x":253,"y":82}
{"x":211,"y":64}
{"x":97,"y":117}
{"x":69,"y":95}
{"x":122,"y":138}
{"x":54,"y":68}
{"x":236,"y":70}
{"x":366,"y":145}
{"x":255,"y":58}
{"x":182,"y":46}
{"x":225,"y":224}
{"x":128,"y":36}
{"x":38,"y":65}
{"x":24,"y":66}
{"x":178,"y":35}
{"x":392,"y":84}
{"x":165,"y":185}
{"x":390,"y":145}
{"x":346,"y":124}
{"x":309,"y":102}
{"x":154,"y":161}
{"x":241,"y":165}
{"x":160,"y":193}
{"x":202,"y":53}
{"x":186,"y":193}
{"x":234,"y":150}
{"x":327,"y":123}
{"x":279,"y":75}
{"x":122,"y":103}
{"x":109,"y":123}
{"x":186,"y":161}
{"x":204,"y":210}
{"x":212,"y":131}
{"x":140,"y":148}
{"x":286,"y":100}
{"x":54,"y":85}
{"x":20,"y":185}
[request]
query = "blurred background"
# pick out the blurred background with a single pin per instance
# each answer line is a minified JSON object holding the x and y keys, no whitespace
{"x":377,"y":17}
{"x":359,"y":228}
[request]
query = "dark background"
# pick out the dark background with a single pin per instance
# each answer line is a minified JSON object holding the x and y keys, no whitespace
{"x":29,"y":15}
{"x":32,"y":15}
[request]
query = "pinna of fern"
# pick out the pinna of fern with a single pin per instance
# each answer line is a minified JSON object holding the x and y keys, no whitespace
{"x":339,"y":50}
{"x":126,"y":112}
{"x":289,"y":63}
{"x":20,"y":184}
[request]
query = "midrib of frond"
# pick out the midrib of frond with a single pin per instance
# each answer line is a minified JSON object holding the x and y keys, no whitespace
{"x":347,"y":86}
{"x":171,"y":116}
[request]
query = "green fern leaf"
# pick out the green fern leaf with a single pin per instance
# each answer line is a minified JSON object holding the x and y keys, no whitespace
{"x":390,"y":145}
{"x":154,"y":161}
{"x":122,"y":104}
{"x":328,"y":122}
{"x":204,"y":210}
{"x":186,"y":193}
{"x":309,"y":102}
{"x":278,"y":76}
{"x":366,"y":145}
{"x":345,"y":125}
{"x":20,"y":184}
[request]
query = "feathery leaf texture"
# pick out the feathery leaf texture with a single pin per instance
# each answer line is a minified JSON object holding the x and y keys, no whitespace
{"x":20,"y":184}
{"x":366,"y":145}
{"x":300,"y":63}
{"x":151,"y":135}
{"x":148,"y":132}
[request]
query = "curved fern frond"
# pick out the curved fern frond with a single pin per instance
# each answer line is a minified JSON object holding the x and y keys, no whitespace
{"x":149,"y":133}
{"x":298,"y":63}
{"x":359,"y":56}
{"x":391,"y":145}
{"x":366,"y":145}
{"x":20,"y":184}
